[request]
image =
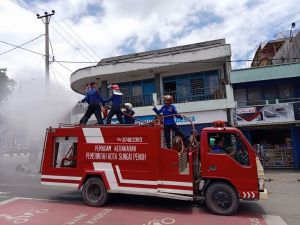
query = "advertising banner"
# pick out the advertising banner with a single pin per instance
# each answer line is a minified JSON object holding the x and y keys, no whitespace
{"x":275,"y":113}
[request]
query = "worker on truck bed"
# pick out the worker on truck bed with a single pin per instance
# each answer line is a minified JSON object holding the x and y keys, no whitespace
{"x":169,"y":123}
{"x":94,"y":99}
{"x":116,"y":100}
{"x":128,"y":114}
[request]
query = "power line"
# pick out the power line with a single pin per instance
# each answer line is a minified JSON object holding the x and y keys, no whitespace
{"x":63,"y":66}
{"x":70,"y":28}
{"x":79,"y":45}
{"x":66,"y":40}
{"x":2,"y":53}
{"x":177,"y":62}
{"x":38,"y":53}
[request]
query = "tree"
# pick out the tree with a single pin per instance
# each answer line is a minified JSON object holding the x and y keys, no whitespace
{"x":6,"y":85}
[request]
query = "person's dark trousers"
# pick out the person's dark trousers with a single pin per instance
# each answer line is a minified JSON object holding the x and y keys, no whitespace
{"x":92,"y":109}
{"x":115,"y":110}
{"x":167,"y":130}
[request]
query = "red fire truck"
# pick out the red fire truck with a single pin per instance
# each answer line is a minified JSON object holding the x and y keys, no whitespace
{"x":101,"y":160}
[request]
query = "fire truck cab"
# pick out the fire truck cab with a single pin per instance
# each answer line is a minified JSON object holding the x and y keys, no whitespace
{"x":100,"y":160}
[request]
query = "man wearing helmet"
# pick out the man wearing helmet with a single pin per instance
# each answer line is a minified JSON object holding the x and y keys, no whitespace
{"x":116,"y":100}
{"x":128,"y":114}
{"x":94,"y":99}
{"x":169,"y":123}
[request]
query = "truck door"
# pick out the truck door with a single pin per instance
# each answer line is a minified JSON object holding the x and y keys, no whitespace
{"x":229,"y":156}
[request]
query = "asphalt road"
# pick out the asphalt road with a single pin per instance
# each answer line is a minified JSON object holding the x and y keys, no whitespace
{"x":284,"y":188}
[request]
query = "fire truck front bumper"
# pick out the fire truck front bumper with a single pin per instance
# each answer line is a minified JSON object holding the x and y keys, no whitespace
{"x":263,"y":195}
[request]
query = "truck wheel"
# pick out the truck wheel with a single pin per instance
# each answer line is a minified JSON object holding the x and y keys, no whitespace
{"x":221,"y":199}
{"x":94,"y":192}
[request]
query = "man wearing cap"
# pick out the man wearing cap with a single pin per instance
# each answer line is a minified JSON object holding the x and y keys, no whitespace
{"x":116,"y":100}
{"x":94,"y":99}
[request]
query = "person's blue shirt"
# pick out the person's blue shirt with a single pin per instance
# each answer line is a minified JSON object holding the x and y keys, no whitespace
{"x":128,"y":116}
{"x":115,"y":99}
{"x":93,"y":97}
{"x":167,"y":111}
{"x":217,"y":149}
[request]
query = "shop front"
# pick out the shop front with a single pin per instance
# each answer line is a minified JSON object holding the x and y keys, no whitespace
{"x":274,"y":132}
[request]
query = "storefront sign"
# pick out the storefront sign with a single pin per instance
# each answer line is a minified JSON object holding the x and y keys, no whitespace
{"x":275,"y":113}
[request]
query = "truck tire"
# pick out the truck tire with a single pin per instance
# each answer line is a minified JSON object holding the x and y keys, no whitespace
{"x":221,"y":199}
{"x":94,"y":192}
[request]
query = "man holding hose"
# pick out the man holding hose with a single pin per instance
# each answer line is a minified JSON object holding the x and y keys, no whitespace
{"x":168,"y":109}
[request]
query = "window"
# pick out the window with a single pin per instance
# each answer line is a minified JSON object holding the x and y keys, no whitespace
{"x":286,"y":91}
{"x":230,"y":144}
{"x":240,"y":96}
{"x":65,"y":152}
{"x":254,"y":96}
{"x":138,"y":93}
{"x":194,"y":87}
{"x":270,"y":94}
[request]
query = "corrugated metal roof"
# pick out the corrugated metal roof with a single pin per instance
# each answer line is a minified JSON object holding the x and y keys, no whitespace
{"x":265,"y":73}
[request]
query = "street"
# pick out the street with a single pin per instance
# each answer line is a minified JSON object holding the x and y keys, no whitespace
{"x":24,"y":200}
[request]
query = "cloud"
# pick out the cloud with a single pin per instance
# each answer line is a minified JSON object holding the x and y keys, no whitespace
{"x":112,"y":27}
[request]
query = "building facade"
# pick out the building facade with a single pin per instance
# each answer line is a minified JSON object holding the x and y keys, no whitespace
{"x":196,"y":75}
{"x":268,"y":112}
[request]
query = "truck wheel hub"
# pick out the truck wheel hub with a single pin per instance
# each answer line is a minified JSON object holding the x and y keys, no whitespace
{"x":222,"y":199}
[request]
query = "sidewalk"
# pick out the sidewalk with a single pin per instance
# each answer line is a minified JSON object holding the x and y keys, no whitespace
{"x":286,"y":175}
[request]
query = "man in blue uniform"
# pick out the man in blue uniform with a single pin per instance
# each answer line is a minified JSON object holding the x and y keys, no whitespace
{"x":169,"y":123}
{"x":116,"y":100}
{"x":94,"y":99}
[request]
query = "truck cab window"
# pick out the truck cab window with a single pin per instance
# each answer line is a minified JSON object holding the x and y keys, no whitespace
{"x":65,"y":152}
{"x":229,"y":144}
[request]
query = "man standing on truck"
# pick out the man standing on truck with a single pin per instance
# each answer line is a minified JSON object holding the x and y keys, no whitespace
{"x":94,"y":99}
{"x":116,"y":100}
{"x":169,"y":110}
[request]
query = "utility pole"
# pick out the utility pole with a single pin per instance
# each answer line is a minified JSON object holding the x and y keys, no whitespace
{"x":46,"y":20}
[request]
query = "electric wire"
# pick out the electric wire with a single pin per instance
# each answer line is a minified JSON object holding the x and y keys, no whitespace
{"x":62,"y":65}
{"x":139,"y":62}
{"x":72,"y":30}
{"x":25,"y":49}
{"x":79,"y":45}
{"x":18,"y":46}
{"x":66,"y":40}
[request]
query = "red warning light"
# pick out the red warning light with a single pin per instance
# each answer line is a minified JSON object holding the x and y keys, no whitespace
{"x":219,"y":123}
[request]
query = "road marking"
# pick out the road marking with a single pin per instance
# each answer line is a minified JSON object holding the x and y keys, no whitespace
{"x":3,"y":193}
{"x":274,"y":220}
{"x":9,"y":200}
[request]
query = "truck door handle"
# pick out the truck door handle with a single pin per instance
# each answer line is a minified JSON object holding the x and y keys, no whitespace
{"x":212,"y":167}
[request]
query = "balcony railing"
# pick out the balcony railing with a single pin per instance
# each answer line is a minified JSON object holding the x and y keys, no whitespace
{"x":187,"y":95}
{"x":197,"y":94}
{"x":139,"y":100}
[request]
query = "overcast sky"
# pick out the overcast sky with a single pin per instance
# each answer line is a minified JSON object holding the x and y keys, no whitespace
{"x":88,"y":30}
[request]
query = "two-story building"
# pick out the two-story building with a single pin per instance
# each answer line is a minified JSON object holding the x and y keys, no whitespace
{"x":196,"y":75}
{"x":268,"y":111}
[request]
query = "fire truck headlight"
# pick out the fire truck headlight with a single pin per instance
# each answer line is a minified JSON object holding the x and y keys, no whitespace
{"x":261,"y":184}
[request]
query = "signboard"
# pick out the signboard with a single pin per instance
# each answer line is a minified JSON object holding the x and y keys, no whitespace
{"x":274,"y":113}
